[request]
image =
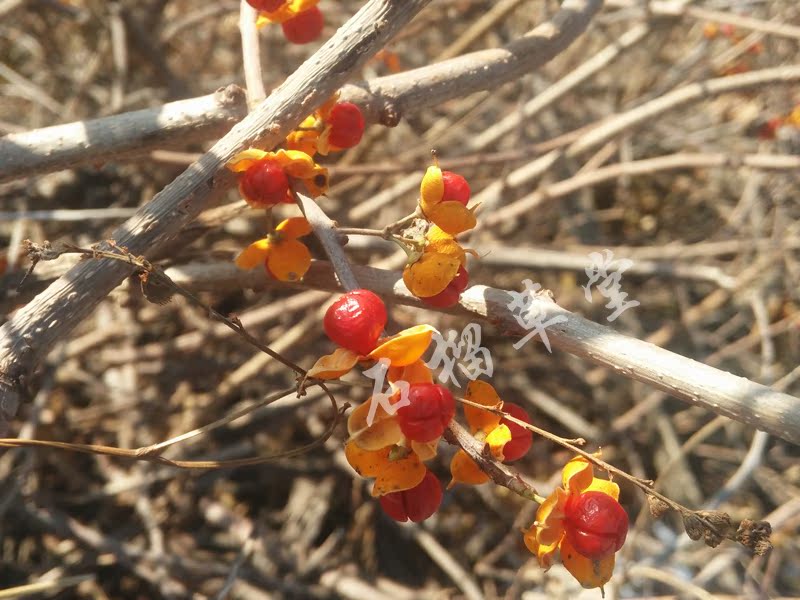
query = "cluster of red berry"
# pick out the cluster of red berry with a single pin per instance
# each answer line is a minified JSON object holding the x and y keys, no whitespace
{"x":265,"y":181}
{"x":455,"y":188}
{"x":582,"y":519}
{"x":436,"y":270}
{"x":355,"y":321}
{"x":303,"y":27}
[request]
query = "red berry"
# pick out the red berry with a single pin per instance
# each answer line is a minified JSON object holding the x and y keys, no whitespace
{"x":264,"y":184}
{"x":347,"y":125}
{"x":429,"y":411}
{"x":521,"y":438}
{"x":355,"y":321}
{"x":595,"y":524}
{"x":416,"y":504}
{"x":449,"y":295}
{"x":768,"y":130}
{"x":266,"y":5}
{"x":305,"y":27}
{"x":455,"y":187}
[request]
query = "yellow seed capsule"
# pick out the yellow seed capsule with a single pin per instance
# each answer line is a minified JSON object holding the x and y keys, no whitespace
{"x":255,"y":254}
{"x":464,"y":470}
{"x":432,"y":189}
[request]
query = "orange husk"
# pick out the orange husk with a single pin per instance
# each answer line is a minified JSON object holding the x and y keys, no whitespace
{"x":425,"y":450}
{"x":482,"y":393}
{"x":294,"y":227}
{"x":304,"y":140}
{"x":549,"y":519}
{"x":288,"y":260}
{"x":384,"y":430}
{"x":578,"y":477}
{"x":497,"y":439}
{"x":406,"y":347}
{"x":545,"y":555}
{"x":390,"y":475}
{"x":286,"y":11}
{"x":254,"y":255}
{"x":246,"y":159}
{"x":333,"y":366}
{"x":440,"y":242}
{"x":416,"y":372}
{"x":431,"y":189}
{"x":464,"y":470}
{"x":431,"y":274}
{"x":451,"y":216}
{"x":794,"y":117}
{"x":589,"y":573}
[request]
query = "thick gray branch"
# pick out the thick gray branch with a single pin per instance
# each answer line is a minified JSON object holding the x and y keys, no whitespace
{"x":62,"y":146}
{"x":33,"y":330}
{"x":429,"y":86}
{"x":681,"y":377}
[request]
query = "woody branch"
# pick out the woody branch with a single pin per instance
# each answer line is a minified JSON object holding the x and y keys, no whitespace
{"x":382,"y":100}
{"x":26,"y":337}
{"x":683,"y":378}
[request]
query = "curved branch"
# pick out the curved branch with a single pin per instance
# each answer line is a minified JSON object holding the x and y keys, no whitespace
{"x":383,"y":100}
{"x":680,"y":97}
{"x":387,"y":98}
{"x":129,"y":134}
{"x":683,"y":378}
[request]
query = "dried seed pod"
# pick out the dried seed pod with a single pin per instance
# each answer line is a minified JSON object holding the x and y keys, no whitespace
{"x":155,"y":290}
{"x":755,"y":535}
{"x":693,"y":525}
{"x":720,"y":521}
{"x":657,"y":506}
{"x":711,"y":538}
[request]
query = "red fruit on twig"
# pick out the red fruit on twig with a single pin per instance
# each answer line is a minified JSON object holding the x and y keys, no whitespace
{"x":266,"y":5}
{"x":449,"y":295}
{"x":521,"y":438}
{"x":355,"y":321}
{"x":347,"y":125}
{"x":430,"y":409}
{"x":416,"y":504}
{"x":264,"y":184}
{"x":596,"y":525}
{"x":455,"y":188}
{"x":305,"y":27}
